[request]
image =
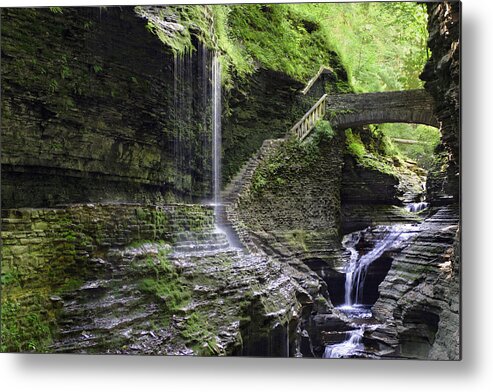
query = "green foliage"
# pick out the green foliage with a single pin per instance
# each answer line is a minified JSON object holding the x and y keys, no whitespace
{"x":22,"y":332}
{"x":323,"y":130}
{"x":354,"y":144}
{"x":382,"y":44}
{"x":423,"y":152}
{"x":370,"y":152}
{"x":56,"y":10}
{"x":97,"y":68}
{"x":53,"y":86}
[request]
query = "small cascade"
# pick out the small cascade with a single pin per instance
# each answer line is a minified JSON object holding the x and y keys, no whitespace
{"x":416,"y":207}
{"x":365,"y":247}
{"x":349,"y":242}
{"x":358,"y":266}
{"x":348,"y":347}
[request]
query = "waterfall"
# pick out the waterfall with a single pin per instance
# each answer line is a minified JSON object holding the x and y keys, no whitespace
{"x":349,"y":242}
{"x":391,"y":237}
{"x":347,"y":347}
{"x":358,"y":266}
{"x":216,"y":131}
{"x":416,"y":207}
{"x":384,"y":238}
{"x":192,"y":122}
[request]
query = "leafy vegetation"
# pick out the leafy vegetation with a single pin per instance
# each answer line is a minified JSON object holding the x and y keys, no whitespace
{"x":382,"y":44}
{"x":372,"y":149}
{"x":23,"y":334}
{"x":323,"y":130}
{"x":427,"y":139}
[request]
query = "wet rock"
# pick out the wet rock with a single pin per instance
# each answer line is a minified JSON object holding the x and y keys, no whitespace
{"x":418,"y":295}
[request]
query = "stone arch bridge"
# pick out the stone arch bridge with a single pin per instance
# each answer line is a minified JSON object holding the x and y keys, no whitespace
{"x":351,"y":110}
{"x":410,"y":106}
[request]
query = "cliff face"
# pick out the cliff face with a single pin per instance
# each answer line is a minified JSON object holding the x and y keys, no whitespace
{"x":420,"y":297}
{"x":96,"y":108}
{"x":442,"y":80}
{"x":92,"y":110}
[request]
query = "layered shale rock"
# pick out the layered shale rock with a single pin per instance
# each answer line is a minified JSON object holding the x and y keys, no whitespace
{"x":84,"y":118}
{"x":198,"y":297}
{"x":442,"y":80}
{"x":420,"y":294}
{"x":46,"y":252}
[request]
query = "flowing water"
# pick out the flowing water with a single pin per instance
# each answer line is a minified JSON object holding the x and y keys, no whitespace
{"x":350,"y":346}
{"x":216,"y":130}
{"x":364,"y":247}
{"x":416,"y":207}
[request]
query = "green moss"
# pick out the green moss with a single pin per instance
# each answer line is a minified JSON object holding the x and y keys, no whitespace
{"x":166,"y":284}
{"x":354,"y":145}
{"x":23,"y":332}
{"x":278,"y":169}
{"x":199,"y":331}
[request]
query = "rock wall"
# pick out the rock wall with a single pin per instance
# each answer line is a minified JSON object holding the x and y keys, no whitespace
{"x":86,"y":118}
{"x":262,"y":107}
{"x":419,"y":297}
{"x":362,"y":185}
{"x":47,"y":251}
{"x":374,"y":185}
{"x":442,"y":81}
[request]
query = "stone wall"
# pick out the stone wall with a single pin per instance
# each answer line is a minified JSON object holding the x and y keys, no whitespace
{"x":45,"y":251}
{"x":293,"y":199}
{"x":297,"y":187}
{"x":93,"y":110}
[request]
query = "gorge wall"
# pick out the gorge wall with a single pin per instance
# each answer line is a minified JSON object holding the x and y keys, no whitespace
{"x":442,"y":80}
{"x":47,"y":252}
{"x":420,"y":297}
{"x":84,"y":118}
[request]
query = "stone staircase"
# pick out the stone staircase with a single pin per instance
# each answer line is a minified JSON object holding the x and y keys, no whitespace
{"x":227,"y":213}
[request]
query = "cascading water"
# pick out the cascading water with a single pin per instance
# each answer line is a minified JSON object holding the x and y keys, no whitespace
{"x":358,"y":266}
{"x":416,"y":207}
{"x":351,"y":345}
{"x":383,"y":239}
{"x":192,"y":124}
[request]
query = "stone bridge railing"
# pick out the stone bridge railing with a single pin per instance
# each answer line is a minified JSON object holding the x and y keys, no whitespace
{"x":410,"y":106}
